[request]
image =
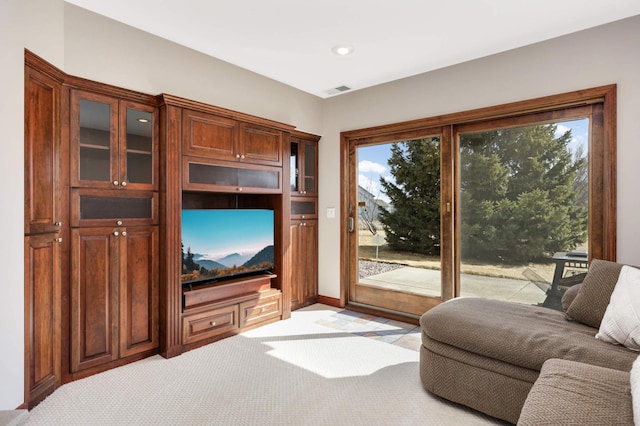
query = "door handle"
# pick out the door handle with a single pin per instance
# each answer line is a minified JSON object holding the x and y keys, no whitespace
{"x":350,"y":224}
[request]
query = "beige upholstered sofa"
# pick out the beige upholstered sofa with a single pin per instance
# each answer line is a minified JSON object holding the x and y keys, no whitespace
{"x":494,"y":356}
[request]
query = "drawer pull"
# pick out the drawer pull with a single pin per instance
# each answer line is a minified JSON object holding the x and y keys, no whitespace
{"x":213,"y":323}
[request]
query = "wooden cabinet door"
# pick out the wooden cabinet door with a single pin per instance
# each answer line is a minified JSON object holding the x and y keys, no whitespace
{"x":42,"y":257}
{"x":297,"y":264}
{"x":138,"y":146}
{"x":94,"y":296}
{"x":309,"y":175}
{"x":42,"y":156}
{"x":261,"y":145}
{"x":304,"y":263}
{"x":139,"y":274}
{"x":309,"y":245}
{"x":210,"y":136}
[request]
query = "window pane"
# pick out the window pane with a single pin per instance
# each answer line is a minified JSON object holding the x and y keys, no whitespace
{"x":523,"y":206}
{"x":399,"y":216}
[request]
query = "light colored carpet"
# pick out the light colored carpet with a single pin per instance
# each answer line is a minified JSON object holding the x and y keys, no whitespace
{"x":293,"y":372}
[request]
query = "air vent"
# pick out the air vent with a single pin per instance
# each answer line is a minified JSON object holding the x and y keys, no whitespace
{"x":337,"y":90}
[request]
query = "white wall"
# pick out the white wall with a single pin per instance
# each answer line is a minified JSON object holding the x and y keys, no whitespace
{"x":36,"y":25}
{"x":110,"y":52}
{"x":595,"y":57}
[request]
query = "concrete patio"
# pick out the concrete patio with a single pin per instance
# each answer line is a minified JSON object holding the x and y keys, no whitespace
{"x":427,"y":282}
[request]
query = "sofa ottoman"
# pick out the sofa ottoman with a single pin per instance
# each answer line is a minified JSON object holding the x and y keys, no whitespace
{"x":574,"y":393}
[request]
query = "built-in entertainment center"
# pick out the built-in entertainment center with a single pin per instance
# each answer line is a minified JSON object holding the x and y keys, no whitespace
{"x":155,"y":224}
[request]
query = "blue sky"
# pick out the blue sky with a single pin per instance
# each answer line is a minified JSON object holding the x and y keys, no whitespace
{"x":372,"y":160}
{"x":217,"y":233}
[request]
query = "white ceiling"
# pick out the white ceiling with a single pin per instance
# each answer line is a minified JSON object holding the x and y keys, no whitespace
{"x":291,"y":40}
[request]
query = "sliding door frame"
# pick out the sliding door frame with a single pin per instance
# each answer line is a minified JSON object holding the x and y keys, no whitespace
{"x":602,"y":173}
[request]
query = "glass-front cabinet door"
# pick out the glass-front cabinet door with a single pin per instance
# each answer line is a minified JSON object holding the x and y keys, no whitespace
{"x":112,"y":143}
{"x":303,"y":167}
{"x":138,"y":150}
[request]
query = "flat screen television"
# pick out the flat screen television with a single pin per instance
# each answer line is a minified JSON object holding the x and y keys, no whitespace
{"x":223,"y":243}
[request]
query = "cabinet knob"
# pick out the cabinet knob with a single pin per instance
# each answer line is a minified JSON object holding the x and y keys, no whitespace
{"x":304,"y":192}
{"x":116,"y":183}
{"x":239,"y":189}
{"x":58,"y":240}
{"x":123,"y":183}
{"x":119,"y":223}
{"x":237,"y":155}
{"x":116,"y":233}
{"x":302,"y":217}
{"x":242,"y":156}
{"x":124,"y":233}
{"x":213,"y":323}
{"x":58,"y":224}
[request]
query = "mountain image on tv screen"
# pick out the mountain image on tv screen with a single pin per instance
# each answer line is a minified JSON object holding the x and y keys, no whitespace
{"x":220,"y":243}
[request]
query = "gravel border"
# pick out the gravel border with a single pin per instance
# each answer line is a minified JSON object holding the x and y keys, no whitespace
{"x":368,"y":268}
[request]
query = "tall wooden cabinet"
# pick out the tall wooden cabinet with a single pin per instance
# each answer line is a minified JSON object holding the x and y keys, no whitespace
{"x":114,"y":279}
{"x":303,"y":181}
{"x":44,"y":229}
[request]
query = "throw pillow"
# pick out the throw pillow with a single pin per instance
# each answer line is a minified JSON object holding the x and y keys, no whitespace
{"x":569,"y":296}
{"x":593,"y":298}
{"x":635,"y":390}
{"x":621,"y":321}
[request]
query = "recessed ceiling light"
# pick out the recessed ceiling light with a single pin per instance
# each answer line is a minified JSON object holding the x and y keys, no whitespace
{"x":342,"y":49}
{"x":143,"y":120}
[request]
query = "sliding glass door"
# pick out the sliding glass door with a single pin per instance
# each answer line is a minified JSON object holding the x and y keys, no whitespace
{"x":396,"y":223}
{"x":524,"y":202}
{"x":508,"y":202}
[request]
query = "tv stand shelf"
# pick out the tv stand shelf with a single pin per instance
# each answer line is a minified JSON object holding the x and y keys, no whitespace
{"x":217,"y":310}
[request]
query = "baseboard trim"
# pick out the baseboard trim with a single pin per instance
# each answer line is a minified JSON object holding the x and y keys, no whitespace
{"x":330,"y":301}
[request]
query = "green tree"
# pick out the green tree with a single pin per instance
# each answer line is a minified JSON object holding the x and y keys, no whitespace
{"x":522,"y":194}
{"x":413,"y":222}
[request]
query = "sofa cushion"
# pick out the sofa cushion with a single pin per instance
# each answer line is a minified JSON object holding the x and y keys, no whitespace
{"x":593,"y":298}
{"x":568,"y":392}
{"x":621,"y":321}
{"x":521,"y":335}
{"x":635,"y":390}
{"x":569,"y":296}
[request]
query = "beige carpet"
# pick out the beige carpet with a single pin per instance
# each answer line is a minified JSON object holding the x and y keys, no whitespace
{"x":294,"y":372}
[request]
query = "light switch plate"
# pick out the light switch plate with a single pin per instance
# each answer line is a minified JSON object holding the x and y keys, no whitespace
{"x":331,"y":212}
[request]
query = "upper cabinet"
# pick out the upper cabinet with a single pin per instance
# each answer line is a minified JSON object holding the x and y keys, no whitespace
{"x":303,"y":167}
{"x":212,"y":136}
{"x":113,"y":143}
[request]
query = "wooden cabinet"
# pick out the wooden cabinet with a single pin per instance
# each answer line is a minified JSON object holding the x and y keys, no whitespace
{"x":212,"y":136}
{"x":113,"y":143}
{"x":45,"y":159}
{"x":303,"y":181}
{"x":216,"y":310}
{"x":304,"y":261}
{"x":114,"y":294}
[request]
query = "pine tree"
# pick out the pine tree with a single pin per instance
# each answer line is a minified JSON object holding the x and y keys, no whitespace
{"x":520,"y":194}
{"x":413,"y":224}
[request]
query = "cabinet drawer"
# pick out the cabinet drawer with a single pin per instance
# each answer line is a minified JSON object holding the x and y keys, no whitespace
{"x":304,"y":208}
{"x":201,"y":326}
{"x":113,"y":208}
{"x":203,"y":174}
{"x":260,"y":310}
